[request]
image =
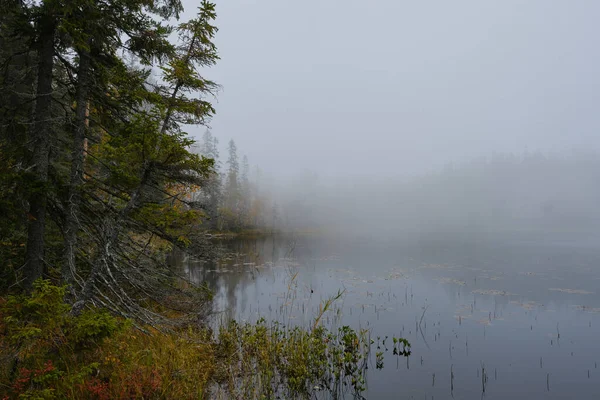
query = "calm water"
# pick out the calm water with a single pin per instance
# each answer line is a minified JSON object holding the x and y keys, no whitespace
{"x":522,"y":310}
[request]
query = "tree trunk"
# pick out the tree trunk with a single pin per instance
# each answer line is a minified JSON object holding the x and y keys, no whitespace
{"x":41,"y":138}
{"x":77,"y":163}
{"x":112,"y":231}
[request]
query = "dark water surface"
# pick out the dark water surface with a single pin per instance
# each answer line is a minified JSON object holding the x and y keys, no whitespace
{"x":492,"y":316}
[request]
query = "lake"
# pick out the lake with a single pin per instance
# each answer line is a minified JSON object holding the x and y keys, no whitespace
{"x":488,"y":315}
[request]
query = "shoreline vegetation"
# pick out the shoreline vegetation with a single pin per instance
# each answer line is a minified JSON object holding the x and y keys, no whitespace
{"x":47,"y":352}
{"x":263,"y":233}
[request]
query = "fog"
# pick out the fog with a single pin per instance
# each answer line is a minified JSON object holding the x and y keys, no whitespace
{"x":444,"y":157}
{"x":529,"y":193}
{"x":416,"y":115}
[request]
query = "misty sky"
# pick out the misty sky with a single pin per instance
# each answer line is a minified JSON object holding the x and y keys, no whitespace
{"x":394,"y":87}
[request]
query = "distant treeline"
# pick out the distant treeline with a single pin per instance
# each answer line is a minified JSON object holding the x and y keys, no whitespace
{"x":531,"y":191}
{"x":232,"y":197}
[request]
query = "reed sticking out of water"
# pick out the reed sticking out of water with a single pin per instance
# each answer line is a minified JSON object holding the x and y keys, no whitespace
{"x":423,"y":315}
{"x":324,"y":306}
{"x":484,"y":378}
{"x":452,"y":380}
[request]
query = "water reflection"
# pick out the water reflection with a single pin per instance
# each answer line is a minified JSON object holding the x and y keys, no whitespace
{"x":487,"y":316}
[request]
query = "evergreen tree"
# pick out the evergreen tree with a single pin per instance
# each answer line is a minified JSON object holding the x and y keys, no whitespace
{"x":67,"y":52}
{"x":231,"y":195}
{"x":100,"y":147}
{"x":209,"y":195}
{"x":245,"y":194}
{"x":159,"y":165}
{"x":41,"y":136}
{"x":96,"y":30}
{"x":17,"y":82}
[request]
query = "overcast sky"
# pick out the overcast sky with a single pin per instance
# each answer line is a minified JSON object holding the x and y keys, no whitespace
{"x":394,"y":87}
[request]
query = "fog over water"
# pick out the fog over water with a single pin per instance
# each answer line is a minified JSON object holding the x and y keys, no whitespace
{"x":531,"y":193}
{"x":444,"y":157}
{"x":394,"y":115}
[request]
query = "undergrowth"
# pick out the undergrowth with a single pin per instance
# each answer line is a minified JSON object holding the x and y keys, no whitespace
{"x":47,"y":353}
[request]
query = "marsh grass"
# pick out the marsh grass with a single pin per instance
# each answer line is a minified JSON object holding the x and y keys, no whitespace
{"x":260,"y":361}
{"x":45,"y":353}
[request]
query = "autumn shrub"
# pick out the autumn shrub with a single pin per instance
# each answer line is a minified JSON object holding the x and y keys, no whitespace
{"x":41,"y":343}
{"x":48,"y":353}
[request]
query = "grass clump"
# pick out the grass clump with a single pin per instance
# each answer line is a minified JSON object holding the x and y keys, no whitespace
{"x":258,"y":361}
